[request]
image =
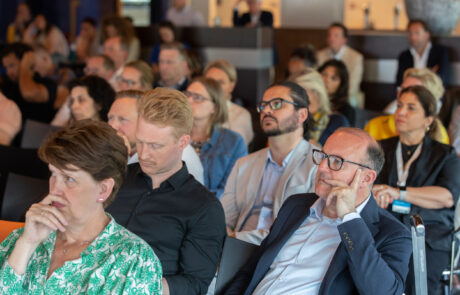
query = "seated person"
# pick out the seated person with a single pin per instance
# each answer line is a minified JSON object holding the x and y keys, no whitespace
{"x":87,"y":42}
{"x":173,"y":68}
{"x":300,"y":59}
{"x":162,"y":203}
{"x":218,"y":147}
{"x":10,"y":120}
{"x":335,"y":77}
{"x":117,"y":26}
{"x":323,"y":121}
{"x":100,"y":65}
{"x":239,"y":119}
{"x":336,"y":241}
{"x":260,"y":182}
{"x":123,"y":117}
{"x":36,"y":97}
{"x":23,"y":18}
{"x":254,"y":17}
{"x":136,"y":75}
{"x":90,"y":98}
{"x":337,"y":39}
{"x":69,"y":244}
{"x":182,"y":14}
{"x":420,"y":176}
{"x":383,"y":127}
{"x":42,"y":32}
{"x":168,"y":34}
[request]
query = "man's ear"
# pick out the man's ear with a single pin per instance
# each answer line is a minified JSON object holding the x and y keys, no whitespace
{"x":184,"y":140}
{"x":303,"y":115}
{"x":368,"y":177}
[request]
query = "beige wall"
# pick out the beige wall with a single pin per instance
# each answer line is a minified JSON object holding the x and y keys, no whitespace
{"x":381,"y":14}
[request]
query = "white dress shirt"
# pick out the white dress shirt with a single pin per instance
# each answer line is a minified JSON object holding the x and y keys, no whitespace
{"x":420,"y":61}
{"x":302,"y":263}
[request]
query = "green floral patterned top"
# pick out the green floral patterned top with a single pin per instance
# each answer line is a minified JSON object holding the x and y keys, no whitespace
{"x":116,"y":262}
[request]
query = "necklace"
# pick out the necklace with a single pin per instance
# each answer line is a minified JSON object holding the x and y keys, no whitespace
{"x":79,"y":244}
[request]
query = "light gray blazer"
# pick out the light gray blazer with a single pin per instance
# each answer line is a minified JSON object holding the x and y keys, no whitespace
{"x":243,"y":184}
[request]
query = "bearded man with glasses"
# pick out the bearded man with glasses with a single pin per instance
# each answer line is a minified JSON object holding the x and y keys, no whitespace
{"x":337,"y":240}
{"x":260,"y":182}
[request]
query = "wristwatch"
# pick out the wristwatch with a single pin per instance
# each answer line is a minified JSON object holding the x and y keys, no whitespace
{"x":402,"y":193}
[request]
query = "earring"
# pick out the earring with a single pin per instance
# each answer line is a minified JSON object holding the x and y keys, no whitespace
{"x":100,"y":199}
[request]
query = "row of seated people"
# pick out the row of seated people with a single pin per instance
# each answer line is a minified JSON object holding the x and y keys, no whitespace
{"x":285,"y":168}
{"x":187,"y":233}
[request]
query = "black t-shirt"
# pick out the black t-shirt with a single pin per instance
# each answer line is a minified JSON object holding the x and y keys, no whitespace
{"x":42,"y":112}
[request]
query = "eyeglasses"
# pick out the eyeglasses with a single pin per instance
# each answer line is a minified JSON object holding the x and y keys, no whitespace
{"x":196,"y":97}
{"x":275,"y":104}
{"x":333,"y":162}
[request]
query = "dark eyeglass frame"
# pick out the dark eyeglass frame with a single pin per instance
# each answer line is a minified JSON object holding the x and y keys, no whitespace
{"x":342,"y":160}
{"x":196,"y":97}
{"x":128,"y":82}
{"x":263,"y":104}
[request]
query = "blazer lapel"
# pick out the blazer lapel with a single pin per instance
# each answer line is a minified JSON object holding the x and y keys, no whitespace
{"x":339,"y":261}
{"x":255,"y":177}
{"x":298,"y":157}
{"x":279,"y":234}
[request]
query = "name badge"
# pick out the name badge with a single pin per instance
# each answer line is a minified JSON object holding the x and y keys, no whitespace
{"x":401,"y":207}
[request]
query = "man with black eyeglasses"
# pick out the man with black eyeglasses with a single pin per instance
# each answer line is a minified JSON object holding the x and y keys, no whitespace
{"x":260,"y":182}
{"x":337,"y":240}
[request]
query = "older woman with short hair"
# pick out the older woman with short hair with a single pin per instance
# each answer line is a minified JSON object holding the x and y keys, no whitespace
{"x":218,"y":147}
{"x":69,"y":244}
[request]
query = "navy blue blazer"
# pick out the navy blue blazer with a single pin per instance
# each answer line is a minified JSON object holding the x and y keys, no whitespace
{"x":438,"y":56}
{"x":265,"y":19}
{"x":373,"y":255}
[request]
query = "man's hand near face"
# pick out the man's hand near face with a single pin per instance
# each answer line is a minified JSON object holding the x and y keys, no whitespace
{"x":343,"y":195}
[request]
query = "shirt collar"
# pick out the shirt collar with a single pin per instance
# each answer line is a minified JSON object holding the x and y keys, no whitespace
{"x":177,"y":86}
{"x":339,"y":54}
{"x":425,"y":52}
{"x":285,"y":160}
{"x":175,"y":181}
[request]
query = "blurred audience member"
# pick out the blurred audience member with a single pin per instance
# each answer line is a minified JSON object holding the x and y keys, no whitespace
{"x":323,"y":121}
{"x":182,"y":14}
{"x":422,"y":53}
{"x":218,"y":147}
{"x":384,"y":127}
{"x":420,"y":176}
{"x":42,"y":32}
{"x":36,"y":97}
{"x":136,"y":75}
{"x":337,"y":38}
{"x":100,"y":65}
{"x":10,"y":120}
{"x":335,"y":77}
{"x":116,"y":26}
{"x":15,"y":30}
{"x":260,"y":183}
{"x":46,"y":68}
{"x":87,"y":41}
{"x":168,"y":34}
{"x":90,"y":98}
{"x":254,"y":17}
{"x":162,"y":203}
{"x":117,"y":51}
{"x":123,"y":117}
{"x":173,"y":67}
{"x":239,"y":119}
{"x":300,"y":59}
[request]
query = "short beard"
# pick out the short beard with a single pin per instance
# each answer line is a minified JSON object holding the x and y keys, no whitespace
{"x":288,"y":126}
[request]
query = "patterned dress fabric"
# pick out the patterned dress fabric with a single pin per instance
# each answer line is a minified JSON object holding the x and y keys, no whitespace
{"x":116,"y":262}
